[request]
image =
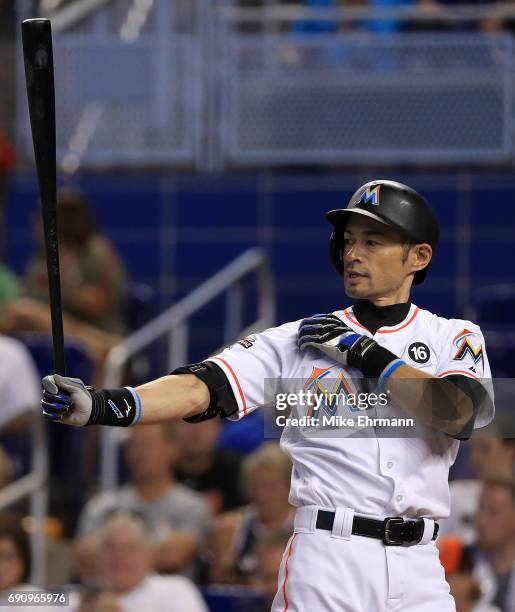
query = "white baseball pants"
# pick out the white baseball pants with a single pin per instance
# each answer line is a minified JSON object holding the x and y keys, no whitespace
{"x":324,"y":571}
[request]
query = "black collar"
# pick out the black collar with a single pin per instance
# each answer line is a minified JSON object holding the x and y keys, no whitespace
{"x":373,"y":317}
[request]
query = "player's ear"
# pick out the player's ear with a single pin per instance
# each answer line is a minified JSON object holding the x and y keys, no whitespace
{"x":419,"y":256}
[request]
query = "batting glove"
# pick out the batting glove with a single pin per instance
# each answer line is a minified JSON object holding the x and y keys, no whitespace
{"x":66,"y":400}
{"x":330,"y":335}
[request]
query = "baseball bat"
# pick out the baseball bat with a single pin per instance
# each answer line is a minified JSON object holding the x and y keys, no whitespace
{"x":39,"y":77}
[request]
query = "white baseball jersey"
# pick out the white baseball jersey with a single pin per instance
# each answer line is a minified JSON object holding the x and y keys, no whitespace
{"x":354,"y":467}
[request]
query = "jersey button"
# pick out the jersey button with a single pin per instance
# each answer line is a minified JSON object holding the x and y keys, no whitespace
{"x":389,"y":465}
{"x":399,"y":498}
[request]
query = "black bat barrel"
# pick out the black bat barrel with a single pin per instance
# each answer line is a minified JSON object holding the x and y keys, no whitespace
{"x":39,"y":74}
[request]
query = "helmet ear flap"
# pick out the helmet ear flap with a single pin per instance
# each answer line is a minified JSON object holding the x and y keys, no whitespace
{"x":336,"y":248}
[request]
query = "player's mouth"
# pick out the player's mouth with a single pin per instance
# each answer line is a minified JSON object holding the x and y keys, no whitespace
{"x":354,"y":276}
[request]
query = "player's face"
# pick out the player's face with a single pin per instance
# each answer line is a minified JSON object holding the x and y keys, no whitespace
{"x":377,"y":264}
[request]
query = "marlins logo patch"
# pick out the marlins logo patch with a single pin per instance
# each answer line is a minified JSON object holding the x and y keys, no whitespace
{"x":371,"y":194}
{"x":468,"y":344}
{"x":341,"y":389}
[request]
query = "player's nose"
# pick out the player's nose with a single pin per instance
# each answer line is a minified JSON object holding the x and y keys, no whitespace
{"x":352,"y":252}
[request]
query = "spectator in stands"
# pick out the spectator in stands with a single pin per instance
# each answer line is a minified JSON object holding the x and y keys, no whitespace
{"x":270,"y":552}
{"x":266,"y":481}
{"x":6,"y":469}
{"x":17,"y":401}
{"x":85,"y":551}
{"x":7,"y":159}
{"x":92,"y":281}
{"x":495,"y":522}
{"x":207,"y":469}
{"x":490,"y":456}
{"x":9,"y":285}
{"x":15,"y":561}
{"x":179,"y":518}
{"x":458,"y":563}
{"x":9,"y":288}
{"x":7,"y":17}
{"x":127,"y":581}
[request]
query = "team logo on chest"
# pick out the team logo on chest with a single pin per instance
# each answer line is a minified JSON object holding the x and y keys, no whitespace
{"x":468,"y":344}
{"x":333,"y":391}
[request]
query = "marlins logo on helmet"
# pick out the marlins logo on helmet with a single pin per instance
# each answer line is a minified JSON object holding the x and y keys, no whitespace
{"x":371,"y":194}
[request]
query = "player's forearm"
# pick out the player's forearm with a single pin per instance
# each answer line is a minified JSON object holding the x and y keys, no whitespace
{"x":172,"y":397}
{"x":434,"y":401}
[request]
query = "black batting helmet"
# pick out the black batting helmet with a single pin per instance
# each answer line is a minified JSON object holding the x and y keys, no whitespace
{"x":393,"y":204}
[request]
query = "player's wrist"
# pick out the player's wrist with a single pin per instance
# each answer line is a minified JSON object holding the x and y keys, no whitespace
{"x":115,"y":407}
{"x":372,"y":359}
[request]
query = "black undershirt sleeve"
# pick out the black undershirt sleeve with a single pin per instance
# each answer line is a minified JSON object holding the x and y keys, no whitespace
{"x":478,"y":395}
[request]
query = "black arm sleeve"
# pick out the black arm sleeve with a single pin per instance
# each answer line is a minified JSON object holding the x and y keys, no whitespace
{"x":478,"y":395}
{"x":222,"y":401}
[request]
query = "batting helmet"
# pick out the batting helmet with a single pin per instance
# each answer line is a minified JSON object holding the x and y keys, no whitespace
{"x":393,"y":204}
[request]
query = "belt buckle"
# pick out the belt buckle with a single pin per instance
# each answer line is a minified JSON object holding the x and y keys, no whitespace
{"x":391,"y":520}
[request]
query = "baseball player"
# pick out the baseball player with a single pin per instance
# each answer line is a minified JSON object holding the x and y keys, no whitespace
{"x":367,"y":503}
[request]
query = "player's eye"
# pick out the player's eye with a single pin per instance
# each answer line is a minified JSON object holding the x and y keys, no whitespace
{"x":372,"y":243}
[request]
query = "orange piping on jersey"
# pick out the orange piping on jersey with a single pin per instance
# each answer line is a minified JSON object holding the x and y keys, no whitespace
{"x":237,"y":383}
{"x":391,"y":331}
{"x":347,"y":314}
{"x":286,"y":603}
{"x":457,"y":372}
{"x":385,"y":331}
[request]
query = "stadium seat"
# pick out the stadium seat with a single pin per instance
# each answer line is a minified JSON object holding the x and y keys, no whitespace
{"x":494,"y":306}
{"x":140,"y":305}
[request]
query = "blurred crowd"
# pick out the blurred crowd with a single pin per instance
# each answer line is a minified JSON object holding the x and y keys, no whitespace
{"x":427,"y":19}
{"x":190,"y":511}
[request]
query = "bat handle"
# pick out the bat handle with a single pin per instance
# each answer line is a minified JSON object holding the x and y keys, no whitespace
{"x":58,"y":345}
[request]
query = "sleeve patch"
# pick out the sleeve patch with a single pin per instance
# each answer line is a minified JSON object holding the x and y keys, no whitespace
{"x":468,"y":344}
{"x":247,"y":342}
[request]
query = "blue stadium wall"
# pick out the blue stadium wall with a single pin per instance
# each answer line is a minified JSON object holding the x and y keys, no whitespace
{"x":174,"y":231}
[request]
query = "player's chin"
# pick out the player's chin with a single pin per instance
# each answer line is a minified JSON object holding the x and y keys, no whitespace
{"x":357,"y":290}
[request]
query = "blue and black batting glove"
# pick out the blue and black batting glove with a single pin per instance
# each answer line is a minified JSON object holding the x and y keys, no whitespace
{"x":327,"y":333}
{"x":66,"y":400}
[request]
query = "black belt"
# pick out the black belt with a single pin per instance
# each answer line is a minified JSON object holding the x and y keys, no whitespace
{"x":393,"y":530}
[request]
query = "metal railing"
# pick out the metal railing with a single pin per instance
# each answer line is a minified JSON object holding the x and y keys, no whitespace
{"x":287,"y":14}
{"x":33,"y":484}
{"x":173,"y":323}
{"x":208,"y":85}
